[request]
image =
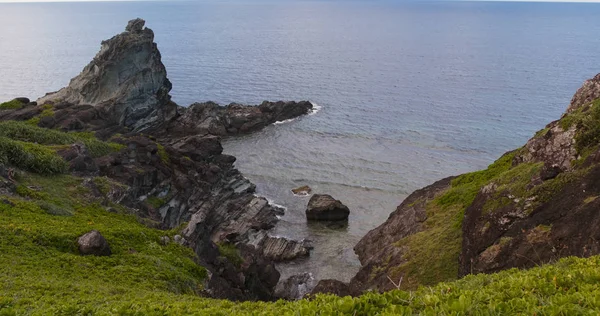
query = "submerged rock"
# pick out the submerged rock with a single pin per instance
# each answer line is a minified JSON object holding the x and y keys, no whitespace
{"x":303,"y":190}
{"x":126,"y":80}
{"x":93,"y":243}
{"x":323,"y":207}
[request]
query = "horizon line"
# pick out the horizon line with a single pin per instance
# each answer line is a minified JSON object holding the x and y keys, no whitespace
{"x":524,"y":1}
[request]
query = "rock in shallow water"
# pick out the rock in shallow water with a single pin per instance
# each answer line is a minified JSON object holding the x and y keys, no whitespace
{"x":303,"y":190}
{"x":323,"y":207}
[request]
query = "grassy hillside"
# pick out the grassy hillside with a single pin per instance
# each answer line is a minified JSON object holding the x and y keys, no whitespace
{"x":43,"y":211}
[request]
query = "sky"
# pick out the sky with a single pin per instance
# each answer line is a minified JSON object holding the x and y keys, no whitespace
{"x":574,"y":1}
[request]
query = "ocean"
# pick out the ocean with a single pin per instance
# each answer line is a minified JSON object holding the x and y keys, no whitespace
{"x":408,"y":92}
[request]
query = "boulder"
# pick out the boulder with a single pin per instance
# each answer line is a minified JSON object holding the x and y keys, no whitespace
{"x":323,"y":207}
{"x":93,"y":243}
{"x":303,"y":190}
{"x":295,"y":287}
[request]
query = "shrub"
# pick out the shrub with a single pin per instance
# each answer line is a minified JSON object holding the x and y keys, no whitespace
{"x":32,"y":157}
{"x":13,"y":104}
{"x":27,"y":132}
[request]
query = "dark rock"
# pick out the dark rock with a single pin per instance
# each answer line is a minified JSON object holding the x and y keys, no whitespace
{"x":549,"y":172}
{"x":79,"y":159}
{"x":295,"y":287}
{"x":329,"y":286}
{"x":135,"y":25}
{"x":210,"y":118}
{"x":23,"y":100}
{"x":93,"y":243}
{"x":323,"y":207}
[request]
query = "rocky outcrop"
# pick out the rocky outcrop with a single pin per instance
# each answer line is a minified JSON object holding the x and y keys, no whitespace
{"x":175,"y":172}
{"x":211,"y":118}
{"x":93,"y":243}
{"x":589,"y":92}
{"x":533,"y":206}
{"x":554,"y":146}
{"x":280,"y":249}
{"x":377,"y":250}
{"x":126,"y":81}
{"x":323,"y":207}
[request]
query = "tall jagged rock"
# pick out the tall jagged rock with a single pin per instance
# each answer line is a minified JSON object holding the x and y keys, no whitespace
{"x":126,"y":80}
{"x":175,"y":172}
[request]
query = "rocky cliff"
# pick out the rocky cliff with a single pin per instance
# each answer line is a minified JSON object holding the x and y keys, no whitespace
{"x":172,"y":177}
{"x":126,"y":80}
{"x":532,"y":206}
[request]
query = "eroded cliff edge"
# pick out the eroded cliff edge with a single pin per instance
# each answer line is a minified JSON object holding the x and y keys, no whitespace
{"x":115,"y":129}
{"x":532,"y":206}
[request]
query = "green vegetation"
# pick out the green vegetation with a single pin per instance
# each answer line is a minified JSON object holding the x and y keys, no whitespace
{"x":24,"y":132}
{"x":11,"y":105}
{"x":586,"y":119}
{"x":432,"y":254}
{"x":162,"y":153}
{"x":41,"y":269}
{"x":42,"y":273}
{"x":230,"y":252}
{"x":29,"y":156}
{"x":155,"y":202}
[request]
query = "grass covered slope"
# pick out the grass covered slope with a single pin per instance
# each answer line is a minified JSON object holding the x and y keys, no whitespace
{"x":41,"y":269}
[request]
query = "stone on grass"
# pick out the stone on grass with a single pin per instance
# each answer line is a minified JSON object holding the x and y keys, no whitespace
{"x":93,"y":243}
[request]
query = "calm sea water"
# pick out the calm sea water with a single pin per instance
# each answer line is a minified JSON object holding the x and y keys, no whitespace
{"x":410,"y":91}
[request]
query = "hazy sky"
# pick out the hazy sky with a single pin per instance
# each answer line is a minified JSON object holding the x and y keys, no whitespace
{"x":596,"y":1}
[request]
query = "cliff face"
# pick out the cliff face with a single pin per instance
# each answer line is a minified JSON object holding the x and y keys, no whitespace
{"x":174,"y":176}
{"x":532,"y":206}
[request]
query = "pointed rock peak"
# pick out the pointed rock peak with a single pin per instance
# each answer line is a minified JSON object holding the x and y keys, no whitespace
{"x":126,"y":80}
{"x":135,"y":25}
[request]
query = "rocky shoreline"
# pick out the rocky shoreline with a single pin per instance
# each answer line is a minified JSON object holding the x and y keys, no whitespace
{"x":171,"y":170}
{"x":166,"y":166}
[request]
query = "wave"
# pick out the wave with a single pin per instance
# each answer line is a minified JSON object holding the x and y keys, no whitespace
{"x":316,"y":108}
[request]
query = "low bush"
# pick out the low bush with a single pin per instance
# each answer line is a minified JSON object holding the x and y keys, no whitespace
{"x":27,"y":132}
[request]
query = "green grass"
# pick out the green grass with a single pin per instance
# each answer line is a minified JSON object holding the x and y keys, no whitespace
{"x":155,"y":202}
{"x":586,"y":119}
{"x":27,"y":132}
{"x":11,"y":105}
{"x":432,"y":254}
{"x":162,"y":153}
{"x":30,"y":156}
{"x":230,"y":252}
{"x":40,"y":266}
